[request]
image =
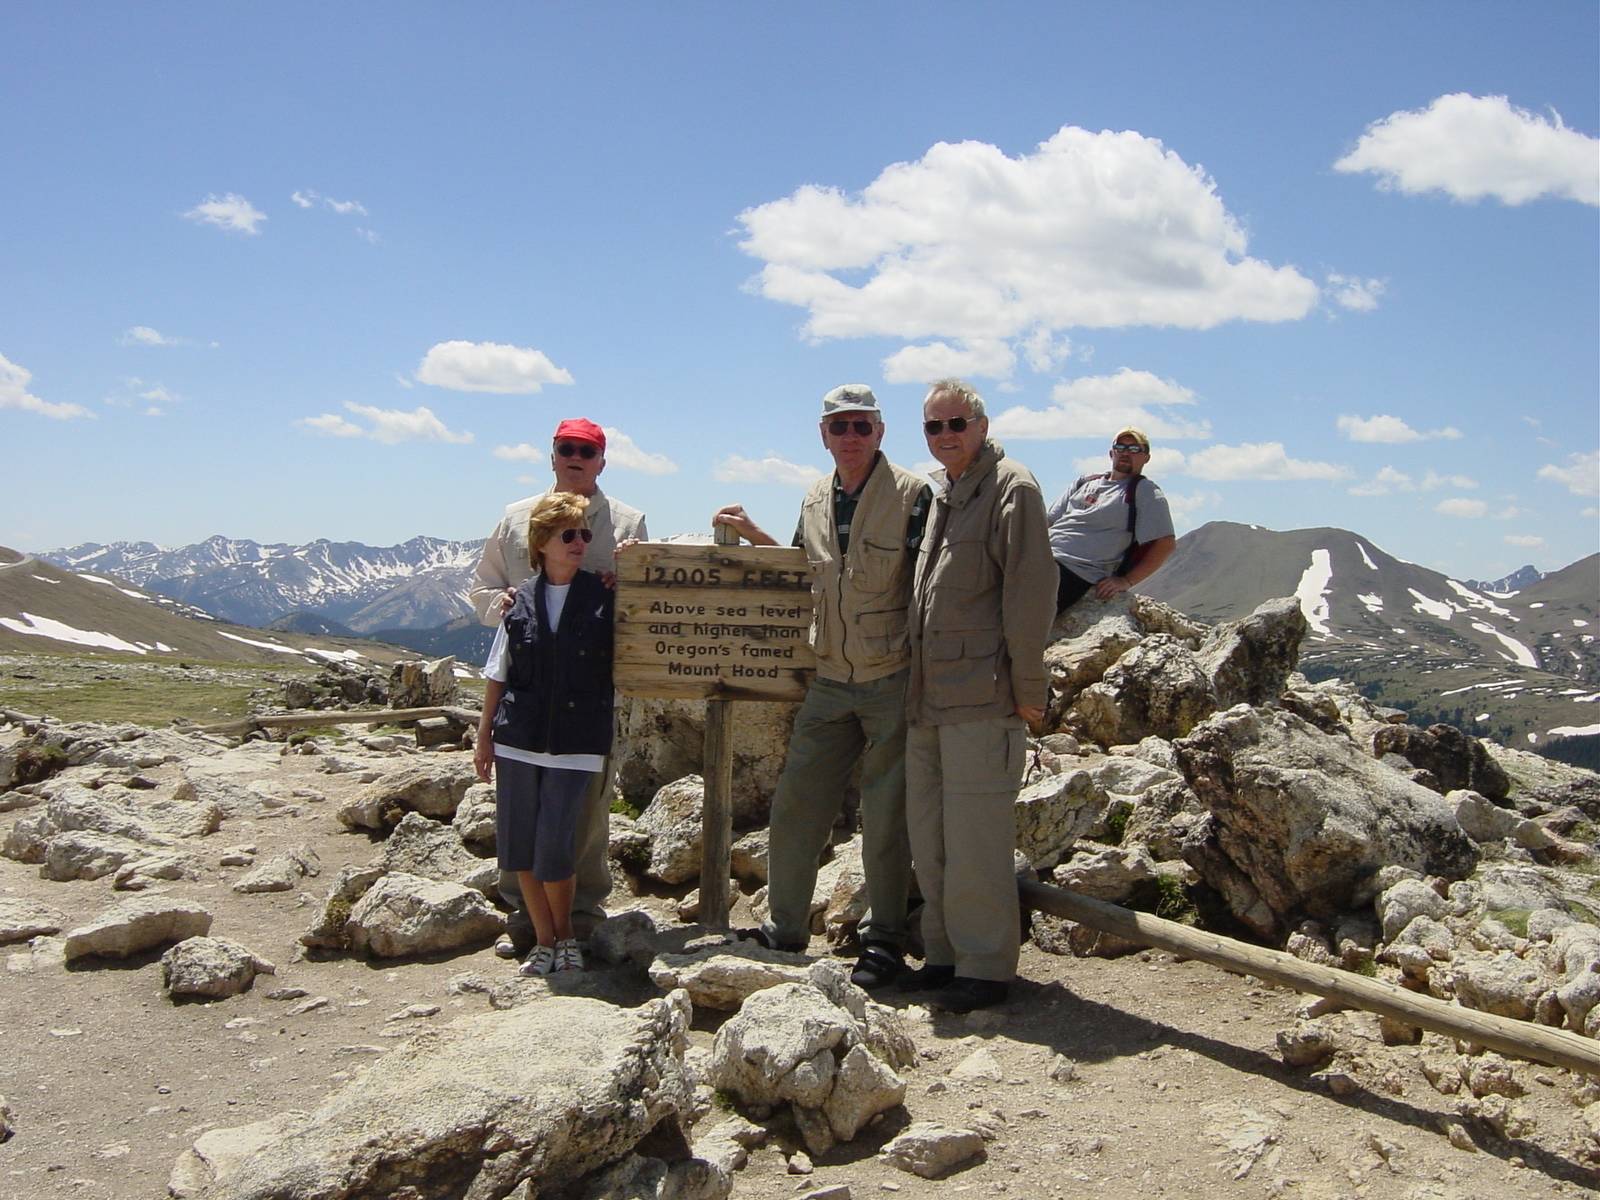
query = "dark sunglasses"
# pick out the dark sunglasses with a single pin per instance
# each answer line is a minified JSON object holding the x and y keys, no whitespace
{"x":568,"y":536}
{"x":957,"y":425}
{"x":1130,"y":447}
{"x":841,"y":427}
{"x":581,"y":449}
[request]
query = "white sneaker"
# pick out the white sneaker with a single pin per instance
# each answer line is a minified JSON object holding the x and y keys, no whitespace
{"x":541,"y":960}
{"x":568,"y":956}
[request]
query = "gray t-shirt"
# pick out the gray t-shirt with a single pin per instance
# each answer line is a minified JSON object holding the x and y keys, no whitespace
{"x":1089,"y":524}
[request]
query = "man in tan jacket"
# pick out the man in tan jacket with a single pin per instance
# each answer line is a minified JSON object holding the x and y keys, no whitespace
{"x":577,"y":456}
{"x":860,"y":528}
{"x":982,"y":603}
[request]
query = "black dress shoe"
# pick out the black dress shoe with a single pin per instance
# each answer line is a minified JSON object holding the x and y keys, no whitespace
{"x":927,"y":978}
{"x":879,"y":966}
{"x":967,"y":995}
{"x":762,"y":938}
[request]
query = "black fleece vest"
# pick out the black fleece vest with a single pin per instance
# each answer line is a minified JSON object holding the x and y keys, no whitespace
{"x":558,"y":688}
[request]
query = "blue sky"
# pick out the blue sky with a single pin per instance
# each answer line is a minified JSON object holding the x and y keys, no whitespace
{"x":298,"y":271}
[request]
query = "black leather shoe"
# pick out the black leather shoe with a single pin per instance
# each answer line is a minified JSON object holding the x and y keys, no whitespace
{"x":926,"y":979}
{"x":879,"y":966}
{"x":761,"y":938}
{"x":967,"y":995}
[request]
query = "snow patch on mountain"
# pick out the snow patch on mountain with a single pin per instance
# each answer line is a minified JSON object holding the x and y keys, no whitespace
{"x":234,"y":637}
{"x":62,"y":632}
{"x":1312,"y":591}
{"x":1519,"y":652}
{"x":1433,"y":608}
{"x":1478,"y":601}
{"x":1365,"y":557}
{"x":1573,"y":731}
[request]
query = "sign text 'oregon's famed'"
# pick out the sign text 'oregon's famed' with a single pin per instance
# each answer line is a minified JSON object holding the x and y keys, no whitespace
{"x":729,"y":622}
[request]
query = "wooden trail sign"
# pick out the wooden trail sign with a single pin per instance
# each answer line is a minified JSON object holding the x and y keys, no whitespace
{"x":724,"y":622}
{"x":720,"y":622}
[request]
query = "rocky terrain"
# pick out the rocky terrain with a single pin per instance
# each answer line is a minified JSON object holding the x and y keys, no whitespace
{"x":264,"y":968}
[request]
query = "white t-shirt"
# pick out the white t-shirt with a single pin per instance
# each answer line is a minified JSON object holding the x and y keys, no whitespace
{"x":496,"y":667}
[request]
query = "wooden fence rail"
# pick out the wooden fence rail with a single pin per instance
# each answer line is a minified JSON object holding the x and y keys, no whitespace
{"x":1524,"y":1039}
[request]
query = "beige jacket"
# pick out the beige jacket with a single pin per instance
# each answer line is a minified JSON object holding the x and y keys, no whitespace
{"x":858,"y":623}
{"x":984,"y":596}
{"x":505,"y":560}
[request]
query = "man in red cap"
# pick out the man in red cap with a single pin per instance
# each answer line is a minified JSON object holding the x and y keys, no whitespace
{"x":577,"y":456}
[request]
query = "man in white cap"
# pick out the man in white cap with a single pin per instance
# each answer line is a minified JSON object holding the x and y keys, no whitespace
{"x":1111,"y":530}
{"x":577,"y":456}
{"x":860,"y":529}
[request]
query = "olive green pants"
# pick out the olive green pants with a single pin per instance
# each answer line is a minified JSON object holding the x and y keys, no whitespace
{"x":961,"y":794}
{"x":837,"y":724}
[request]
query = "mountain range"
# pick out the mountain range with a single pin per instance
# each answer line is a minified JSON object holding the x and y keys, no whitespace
{"x":1514,"y":658}
{"x":1520,"y":666}
{"x":416,"y":585}
{"x":45,"y":609}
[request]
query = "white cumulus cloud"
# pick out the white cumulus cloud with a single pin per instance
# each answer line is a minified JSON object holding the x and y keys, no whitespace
{"x":1187,"y":506}
{"x":1258,"y":461}
{"x":387,"y":425}
{"x":1384,"y":428}
{"x":771,"y":469}
{"x":1358,"y":295}
{"x":1091,"y":230}
{"x":489,"y":367}
{"x":1459,"y":506}
{"x":1531,"y":540}
{"x":1433,"y":481}
{"x":622,"y":451}
{"x":523,"y":452}
{"x":982,"y":359}
{"x":1472,"y":147}
{"x":231,"y":212}
{"x":1102,"y":405}
{"x":143,"y":335}
{"x":307,"y":198}
{"x":332,"y":424}
{"x":1580,"y":475}
{"x":14,"y":380}
{"x":1385,"y":481}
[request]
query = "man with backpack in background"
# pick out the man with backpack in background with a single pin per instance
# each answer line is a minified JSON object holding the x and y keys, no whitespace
{"x":1110,"y":531}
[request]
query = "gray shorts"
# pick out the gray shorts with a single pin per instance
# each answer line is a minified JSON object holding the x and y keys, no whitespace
{"x":536,"y":818}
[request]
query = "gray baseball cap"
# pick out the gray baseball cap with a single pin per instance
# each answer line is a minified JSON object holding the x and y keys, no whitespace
{"x":849,"y":398}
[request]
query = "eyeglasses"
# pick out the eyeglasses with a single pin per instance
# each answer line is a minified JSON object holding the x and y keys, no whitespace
{"x":1129,"y":447}
{"x":580,"y":449}
{"x":841,"y":427}
{"x":568,"y":536}
{"x":957,"y":425}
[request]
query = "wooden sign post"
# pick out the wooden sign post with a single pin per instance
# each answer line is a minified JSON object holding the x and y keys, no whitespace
{"x":724,"y":622}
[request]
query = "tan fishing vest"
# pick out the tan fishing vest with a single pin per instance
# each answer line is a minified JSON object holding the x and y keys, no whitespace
{"x":858,"y":628}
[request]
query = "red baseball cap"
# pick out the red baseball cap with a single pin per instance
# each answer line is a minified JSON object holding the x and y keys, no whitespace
{"x":580,"y":429}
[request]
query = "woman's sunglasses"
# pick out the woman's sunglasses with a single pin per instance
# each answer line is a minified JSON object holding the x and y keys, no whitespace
{"x":568,"y":536}
{"x":935,"y":428}
{"x":580,"y":449}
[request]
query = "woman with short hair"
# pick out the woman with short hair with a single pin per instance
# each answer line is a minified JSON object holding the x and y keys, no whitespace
{"x":547,"y":721}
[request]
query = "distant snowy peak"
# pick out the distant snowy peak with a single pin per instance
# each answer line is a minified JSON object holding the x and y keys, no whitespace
{"x":254,"y":584}
{"x":1510,"y":584}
